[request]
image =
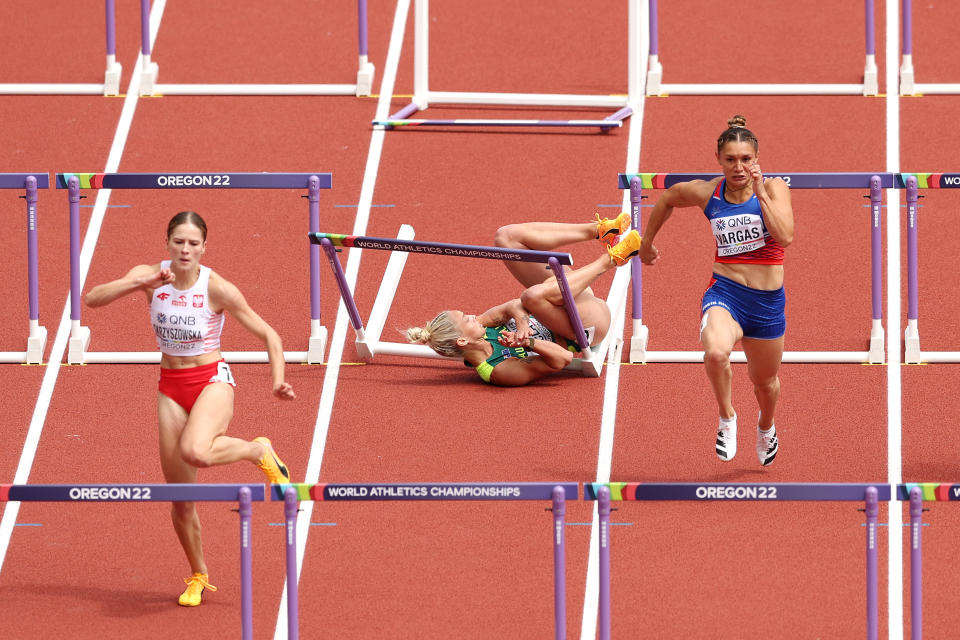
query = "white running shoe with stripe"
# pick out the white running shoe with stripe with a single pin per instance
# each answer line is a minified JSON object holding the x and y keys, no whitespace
{"x":767,"y":447}
{"x":727,"y":440}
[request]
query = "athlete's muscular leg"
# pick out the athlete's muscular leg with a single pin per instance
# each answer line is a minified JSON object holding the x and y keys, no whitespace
{"x":763,"y":366}
{"x":719,"y":333}
{"x":202,"y":442}
{"x":186,"y":522}
{"x":539,"y":236}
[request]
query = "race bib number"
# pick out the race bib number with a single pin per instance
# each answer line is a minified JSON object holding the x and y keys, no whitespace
{"x":738,"y":234}
{"x":224,"y":374}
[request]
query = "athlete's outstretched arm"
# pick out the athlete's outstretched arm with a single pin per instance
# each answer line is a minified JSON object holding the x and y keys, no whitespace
{"x":683,"y":194}
{"x":143,"y":277}
{"x":226,"y":295}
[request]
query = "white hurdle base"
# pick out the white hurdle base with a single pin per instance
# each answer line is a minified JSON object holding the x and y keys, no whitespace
{"x":877,"y":355}
{"x":79,"y":341}
{"x":150,"y":87}
{"x":760,"y":89}
{"x":153,"y":357}
{"x":638,"y":341}
{"x":36,"y":344}
{"x":820,"y":357}
{"x":318,"y":342}
{"x":937,"y":357}
{"x":911,"y":344}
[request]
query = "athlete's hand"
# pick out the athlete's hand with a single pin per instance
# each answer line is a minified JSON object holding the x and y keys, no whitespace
{"x":509,"y":339}
{"x":160,"y":278}
{"x":649,"y":254}
{"x":756,"y":177}
{"x":523,"y":330}
{"x":284,"y":391}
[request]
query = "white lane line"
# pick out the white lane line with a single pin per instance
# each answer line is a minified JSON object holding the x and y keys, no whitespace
{"x":591,"y":595}
{"x":63,"y":330}
{"x":328,"y":393}
{"x":894,"y":383}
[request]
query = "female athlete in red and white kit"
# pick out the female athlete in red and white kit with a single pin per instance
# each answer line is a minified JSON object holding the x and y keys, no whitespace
{"x":187,"y":304}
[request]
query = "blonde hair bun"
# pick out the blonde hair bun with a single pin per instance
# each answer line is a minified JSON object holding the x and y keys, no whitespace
{"x":737,"y":121}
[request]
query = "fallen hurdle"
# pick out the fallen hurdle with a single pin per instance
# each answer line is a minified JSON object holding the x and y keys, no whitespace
{"x":37,"y":337}
{"x":869,"y":494}
{"x":150,"y":71}
{"x":869,"y":86}
{"x":874,"y":182}
{"x":73,"y":182}
{"x":369,"y":343}
{"x":913,"y":182}
{"x":111,"y":77}
{"x":423,"y":96}
{"x":244,"y":495}
{"x":557,"y":492}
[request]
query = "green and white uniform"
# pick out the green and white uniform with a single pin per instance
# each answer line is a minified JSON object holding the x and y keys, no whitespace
{"x":501,"y":353}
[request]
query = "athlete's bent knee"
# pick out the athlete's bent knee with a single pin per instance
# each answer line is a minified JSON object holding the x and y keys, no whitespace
{"x":716,"y":357}
{"x":504,"y":237}
{"x":195,"y":455}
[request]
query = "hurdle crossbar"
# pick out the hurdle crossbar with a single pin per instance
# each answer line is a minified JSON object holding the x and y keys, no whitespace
{"x":874,"y":182}
{"x":369,"y":345}
{"x":37,"y":336}
{"x":150,"y":70}
{"x":557,"y":492}
{"x":243,"y":494}
{"x":913,"y":183}
{"x":74,"y":182}
{"x":656,"y":87}
{"x":111,"y":78}
{"x":870,"y":494}
{"x":423,"y":96}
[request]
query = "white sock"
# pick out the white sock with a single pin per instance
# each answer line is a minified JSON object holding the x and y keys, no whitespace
{"x":726,"y":422}
{"x":766,"y":433}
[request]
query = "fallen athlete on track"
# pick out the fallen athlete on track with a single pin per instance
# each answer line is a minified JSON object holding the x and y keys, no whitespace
{"x":529,"y":337}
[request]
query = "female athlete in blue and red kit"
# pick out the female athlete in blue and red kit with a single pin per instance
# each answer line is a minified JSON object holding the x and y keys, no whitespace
{"x":752,"y":221}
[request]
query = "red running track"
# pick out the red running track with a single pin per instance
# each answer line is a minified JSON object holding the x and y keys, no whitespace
{"x":472,"y":570}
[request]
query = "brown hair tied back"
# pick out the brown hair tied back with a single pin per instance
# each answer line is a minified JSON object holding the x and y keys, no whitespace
{"x":187,"y":217}
{"x":737,"y":132}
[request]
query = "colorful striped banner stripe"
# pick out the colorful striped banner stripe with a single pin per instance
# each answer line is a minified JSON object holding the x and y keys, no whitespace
{"x":86,"y":180}
{"x":930,"y":491}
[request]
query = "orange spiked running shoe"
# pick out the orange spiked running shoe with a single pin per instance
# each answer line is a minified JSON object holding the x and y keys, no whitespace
{"x":608,"y":230}
{"x":628,"y":247}
{"x":191,"y":597}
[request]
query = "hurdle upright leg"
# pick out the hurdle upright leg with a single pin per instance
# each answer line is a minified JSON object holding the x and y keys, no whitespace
{"x":876,"y":354}
{"x":290,"y":508}
{"x":603,"y":508}
{"x":318,"y":333}
{"x":246,"y":563}
{"x":916,"y":564}
{"x":559,"y":563}
{"x":79,"y":335}
{"x":872,"y":511}
{"x":638,"y":341}
{"x":589,"y":357}
{"x":37,"y":340}
{"x":911,"y":354}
